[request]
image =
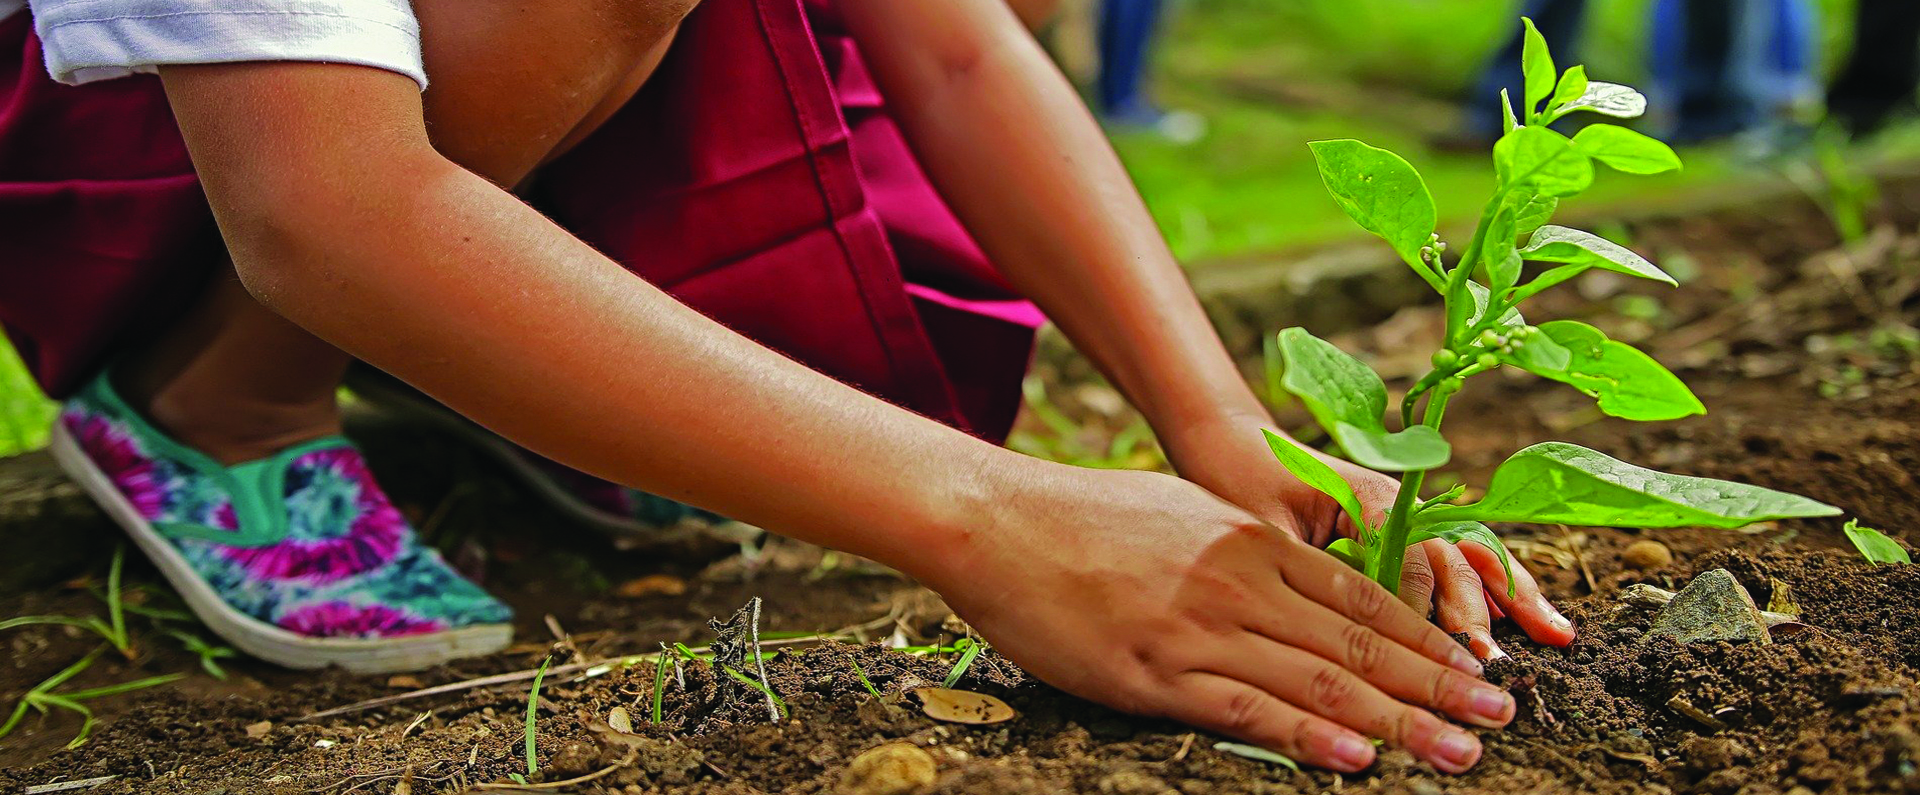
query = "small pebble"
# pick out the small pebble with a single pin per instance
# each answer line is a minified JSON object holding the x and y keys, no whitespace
{"x":1647,"y":554}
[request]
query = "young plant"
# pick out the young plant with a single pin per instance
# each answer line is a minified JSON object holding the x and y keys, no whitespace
{"x":533,"y":712}
{"x":42,"y":697}
{"x":1874,"y":545}
{"x":1535,"y":168}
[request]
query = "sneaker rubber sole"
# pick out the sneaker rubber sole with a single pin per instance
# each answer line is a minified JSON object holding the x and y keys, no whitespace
{"x":251,"y":635}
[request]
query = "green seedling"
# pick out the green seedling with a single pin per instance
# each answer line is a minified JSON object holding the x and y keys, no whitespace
{"x":209,"y":654}
{"x":763,"y":687}
{"x":113,"y":629}
{"x":965,"y":662}
{"x":42,"y":697}
{"x":660,"y":682}
{"x":1257,"y":753}
{"x":1874,"y":545}
{"x":864,"y":681}
{"x":533,"y":710}
{"x":1552,"y":482}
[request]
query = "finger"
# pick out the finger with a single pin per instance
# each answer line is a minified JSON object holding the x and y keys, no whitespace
{"x":1527,"y":606}
{"x":1492,"y":609}
{"x":1240,"y":710}
{"x":1323,"y":579}
{"x":1463,"y":602}
{"x":1381,"y":664}
{"x":1416,"y":579}
{"x":1323,"y":688}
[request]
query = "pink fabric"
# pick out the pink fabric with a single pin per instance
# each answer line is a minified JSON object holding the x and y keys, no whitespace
{"x":756,"y":176}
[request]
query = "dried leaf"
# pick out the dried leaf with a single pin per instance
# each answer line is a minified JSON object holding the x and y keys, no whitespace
{"x":963,"y":706}
{"x":651,"y":585}
{"x":1782,"y":600}
{"x":619,"y":720}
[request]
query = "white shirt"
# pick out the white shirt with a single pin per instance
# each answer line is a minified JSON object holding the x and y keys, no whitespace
{"x":87,"y":40}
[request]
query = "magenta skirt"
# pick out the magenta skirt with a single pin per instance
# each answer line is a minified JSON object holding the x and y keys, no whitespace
{"x":756,"y":177}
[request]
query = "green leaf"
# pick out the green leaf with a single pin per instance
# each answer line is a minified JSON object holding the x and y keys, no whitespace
{"x":1315,"y":472}
{"x":1625,"y":150}
{"x":1563,"y":244}
{"x":1556,"y":482}
{"x":1349,"y":552}
{"x":1572,"y":85}
{"x":1507,"y":120}
{"x":1874,"y":545}
{"x":1541,"y":161}
{"x":1606,"y":99}
{"x":1349,"y":400}
{"x":1625,"y":382}
{"x":1456,"y":532}
{"x":1540,"y":354}
{"x":1502,"y":260}
{"x":1380,"y":191}
{"x":1531,"y":212}
{"x":1481,"y":298}
{"x":1537,"y":62}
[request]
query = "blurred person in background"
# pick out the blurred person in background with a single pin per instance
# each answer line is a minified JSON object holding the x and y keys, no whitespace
{"x":1125,"y":40}
{"x":1722,"y":68}
{"x":1883,"y":72}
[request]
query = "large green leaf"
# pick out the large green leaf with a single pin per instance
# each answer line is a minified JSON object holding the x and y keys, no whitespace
{"x":1625,"y":150}
{"x":1606,"y":99}
{"x":1380,"y":191}
{"x":1349,"y":400}
{"x":1315,"y":472}
{"x":1573,"y":246}
{"x":1537,"y":64}
{"x":1874,"y":545}
{"x":1556,"y":482}
{"x":1456,"y":532}
{"x":1542,"y":161}
{"x":1625,"y":382}
{"x":1531,"y":212}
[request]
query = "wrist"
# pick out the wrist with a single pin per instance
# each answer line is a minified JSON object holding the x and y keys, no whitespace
{"x":961,"y":512}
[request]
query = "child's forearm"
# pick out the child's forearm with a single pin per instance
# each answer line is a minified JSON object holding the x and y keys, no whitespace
{"x":369,"y":239}
{"x":1016,"y":154}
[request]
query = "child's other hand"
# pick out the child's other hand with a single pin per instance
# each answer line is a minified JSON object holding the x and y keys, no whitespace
{"x":1147,"y":593}
{"x":1229,"y":456}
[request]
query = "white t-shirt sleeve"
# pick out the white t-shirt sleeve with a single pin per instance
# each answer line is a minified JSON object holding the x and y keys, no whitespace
{"x":87,"y":40}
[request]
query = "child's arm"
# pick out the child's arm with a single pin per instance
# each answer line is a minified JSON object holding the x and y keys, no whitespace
{"x":1022,"y":162}
{"x":1131,"y":588}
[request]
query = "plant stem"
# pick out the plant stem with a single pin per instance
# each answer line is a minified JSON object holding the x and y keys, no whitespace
{"x":1385,"y":567}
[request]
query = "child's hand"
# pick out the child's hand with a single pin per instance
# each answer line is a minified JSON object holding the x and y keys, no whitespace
{"x":1230,"y":457}
{"x":1147,"y":593}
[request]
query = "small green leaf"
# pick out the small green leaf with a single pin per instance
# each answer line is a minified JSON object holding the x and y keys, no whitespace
{"x":1508,"y":122}
{"x":1380,"y":191}
{"x":1315,"y":472}
{"x":1541,"y":161}
{"x":1573,"y":84}
{"x":1606,"y":99}
{"x":1481,"y":299}
{"x":1456,"y":532}
{"x":1349,"y":401}
{"x":1537,"y":62}
{"x":1540,"y":354}
{"x":1556,"y":482}
{"x":1349,"y":552}
{"x":1625,"y":150}
{"x":1498,"y":252}
{"x":1625,"y":382}
{"x":1530,"y":213}
{"x":1257,"y":753}
{"x":1874,"y":545}
{"x":1563,"y":244}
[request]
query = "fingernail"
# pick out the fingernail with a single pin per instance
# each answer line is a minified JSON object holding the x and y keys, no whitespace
{"x":1558,"y":621}
{"x":1457,"y":750}
{"x":1491,"y":703}
{"x":1353,"y":752}
{"x":1488,"y":650}
{"x":1464,"y":661}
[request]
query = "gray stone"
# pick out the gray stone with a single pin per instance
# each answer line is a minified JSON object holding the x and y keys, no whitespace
{"x":1711,"y":608}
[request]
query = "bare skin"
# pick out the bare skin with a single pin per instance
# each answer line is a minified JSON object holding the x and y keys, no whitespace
{"x":341,"y":210}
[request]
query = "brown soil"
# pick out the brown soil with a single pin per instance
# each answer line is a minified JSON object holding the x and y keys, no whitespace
{"x":1787,"y":340}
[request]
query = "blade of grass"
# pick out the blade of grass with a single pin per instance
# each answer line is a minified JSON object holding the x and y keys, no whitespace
{"x":123,"y":687}
{"x":659,"y":682}
{"x":966,"y":660}
{"x":757,"y":685}
{"x":86,"y":718}
{"x":533,"y":710}
{"x":115,"y":613}
{"x":865,"y":681}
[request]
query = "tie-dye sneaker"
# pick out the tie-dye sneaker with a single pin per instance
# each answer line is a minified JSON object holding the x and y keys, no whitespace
{"x":297,"y":559}
{"x":632,"y":518}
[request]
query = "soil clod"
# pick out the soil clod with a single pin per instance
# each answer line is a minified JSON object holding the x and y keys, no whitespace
{"x":891,"y":769}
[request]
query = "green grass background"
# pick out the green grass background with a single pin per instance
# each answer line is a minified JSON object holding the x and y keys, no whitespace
{"x":1270,"y":75}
